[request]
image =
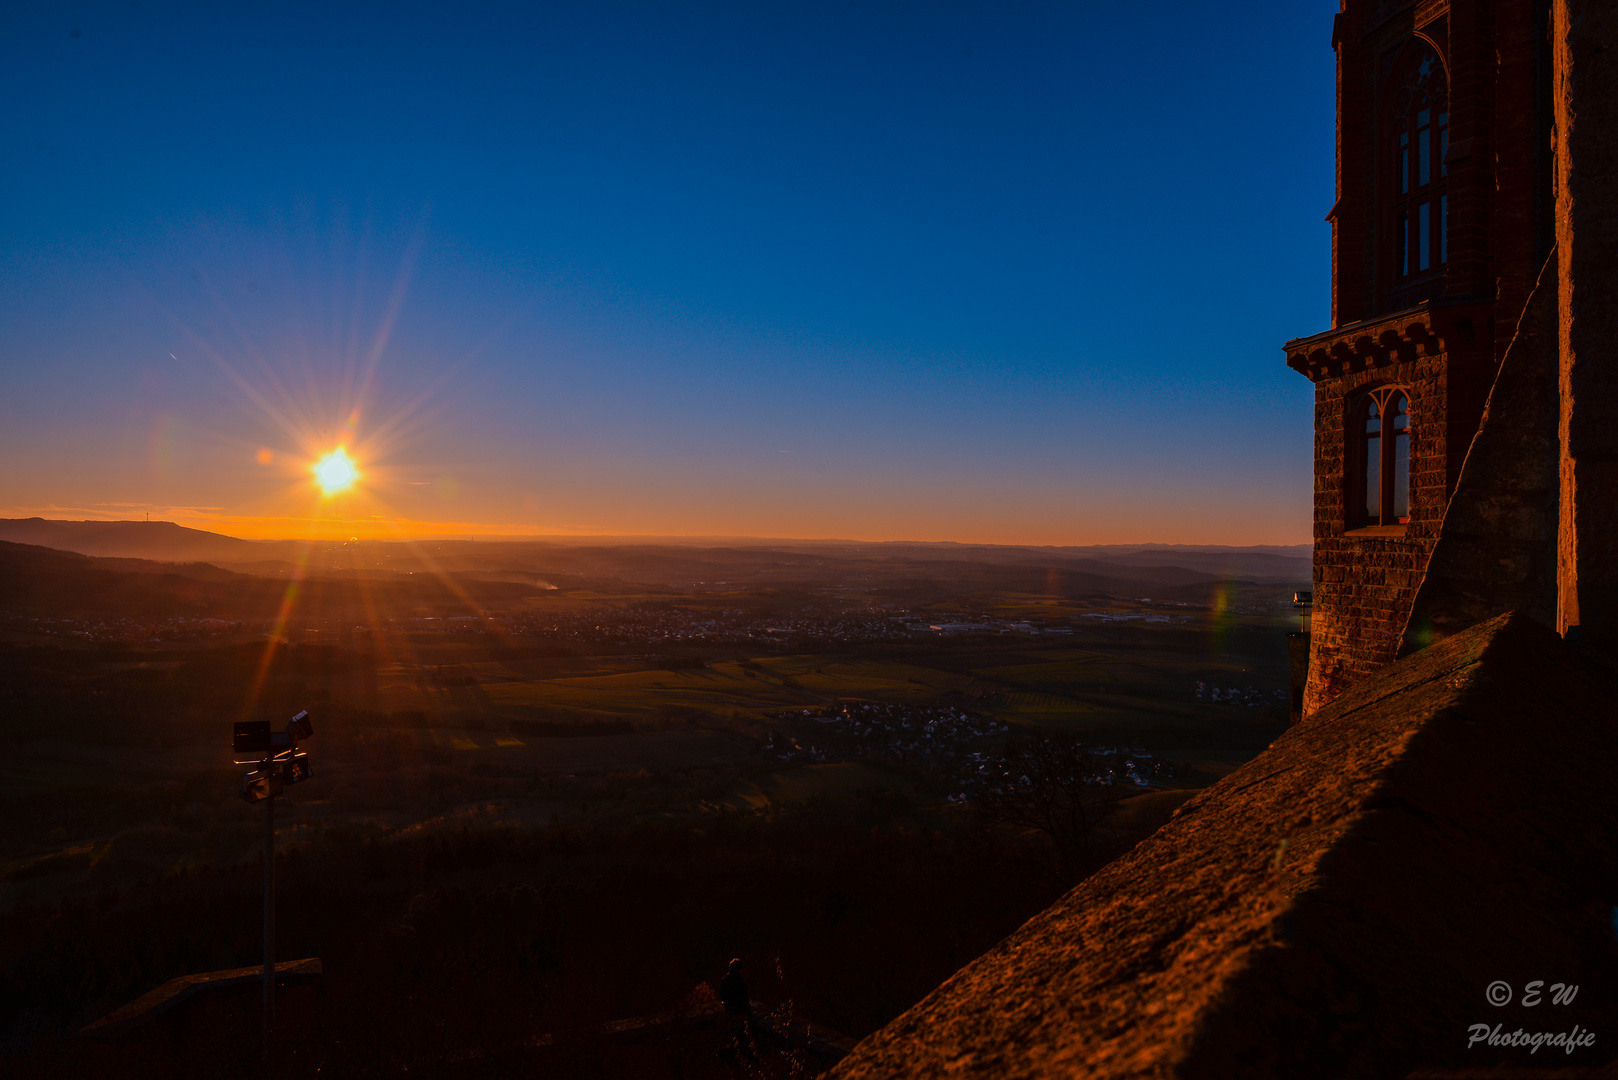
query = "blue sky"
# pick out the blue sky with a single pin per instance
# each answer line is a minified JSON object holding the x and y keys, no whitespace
{"x":997,"y":272}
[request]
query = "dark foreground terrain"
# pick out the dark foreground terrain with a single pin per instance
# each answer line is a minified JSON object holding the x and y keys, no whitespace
{"x":556,"y":790}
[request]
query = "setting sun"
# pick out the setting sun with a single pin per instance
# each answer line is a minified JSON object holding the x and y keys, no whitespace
{"x":335,"y":473}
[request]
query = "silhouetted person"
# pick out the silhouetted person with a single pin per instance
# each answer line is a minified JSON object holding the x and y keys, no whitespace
{"x":733,"y":991}
{"x":738,"y":1005}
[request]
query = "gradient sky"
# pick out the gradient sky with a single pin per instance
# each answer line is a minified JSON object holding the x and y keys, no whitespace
{"x":1004,"y":272}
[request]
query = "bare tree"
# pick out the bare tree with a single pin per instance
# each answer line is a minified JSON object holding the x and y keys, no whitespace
{"x":1048,"y":785}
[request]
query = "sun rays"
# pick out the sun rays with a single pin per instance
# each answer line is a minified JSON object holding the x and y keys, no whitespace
{"x":329,"y":437}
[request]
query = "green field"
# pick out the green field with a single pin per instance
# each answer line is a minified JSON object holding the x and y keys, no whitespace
{"x":431,"y":730}
{"x":1132,"y":682}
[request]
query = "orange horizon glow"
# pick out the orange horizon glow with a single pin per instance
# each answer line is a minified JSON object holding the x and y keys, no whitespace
{"x":358,"y":453}
{"x":378,"y":528}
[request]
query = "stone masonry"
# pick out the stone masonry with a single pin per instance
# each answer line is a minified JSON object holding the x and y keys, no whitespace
{"x":1336,"y":907}
{"x":1439,"y":337}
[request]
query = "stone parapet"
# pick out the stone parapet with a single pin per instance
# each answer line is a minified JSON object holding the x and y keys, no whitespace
{"x":1337,"y":907}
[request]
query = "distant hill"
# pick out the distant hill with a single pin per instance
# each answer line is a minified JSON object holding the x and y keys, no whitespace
{"x":46,"y":581}
{"x":1272,"y":564}
{"x":41,"y":581}
{"x":1120,"y":570}
{"x":1145,"y":562}
{"x":161,"y":540}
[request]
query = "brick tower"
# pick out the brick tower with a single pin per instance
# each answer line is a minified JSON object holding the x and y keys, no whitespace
{"x":1443,"y":219}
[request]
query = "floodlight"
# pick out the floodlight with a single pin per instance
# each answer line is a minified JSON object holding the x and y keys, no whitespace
{"x":258,"y":786}
{"x":251,"y":737}
{"x":301,"y":727}
{"x":295,"y":769}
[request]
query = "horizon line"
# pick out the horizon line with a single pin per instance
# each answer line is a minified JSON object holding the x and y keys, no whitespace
{"x":492,"y":534}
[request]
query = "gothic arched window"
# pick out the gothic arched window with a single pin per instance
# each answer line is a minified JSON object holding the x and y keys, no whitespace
{"x":1380,"y":485}
{"x":1415,"y":178}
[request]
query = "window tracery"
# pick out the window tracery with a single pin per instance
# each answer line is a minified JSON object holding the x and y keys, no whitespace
{"x":1416,"y":137}
{"x":1380,"y":487}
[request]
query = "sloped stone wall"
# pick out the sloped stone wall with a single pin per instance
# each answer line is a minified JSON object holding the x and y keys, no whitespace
{"x":1337,"y":907}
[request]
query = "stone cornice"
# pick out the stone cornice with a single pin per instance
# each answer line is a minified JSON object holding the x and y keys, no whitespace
{"x":1429,"y":328}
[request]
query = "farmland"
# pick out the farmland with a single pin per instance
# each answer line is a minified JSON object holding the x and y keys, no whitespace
{"x":821,"y":719}
{"x":413,"y":722}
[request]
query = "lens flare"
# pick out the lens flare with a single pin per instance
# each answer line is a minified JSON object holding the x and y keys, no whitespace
{"x":335,"y":473}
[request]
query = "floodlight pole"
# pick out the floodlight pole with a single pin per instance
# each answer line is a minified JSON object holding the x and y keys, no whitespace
{"x":269,"y":925}
{"x":281,"y":764}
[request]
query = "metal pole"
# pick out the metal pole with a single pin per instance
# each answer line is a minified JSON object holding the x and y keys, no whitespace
{"x":269,"y":925}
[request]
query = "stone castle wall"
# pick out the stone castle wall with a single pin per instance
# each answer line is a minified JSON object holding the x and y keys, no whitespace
{"x":1443,"y":352}
{"x":1365,"y":580}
